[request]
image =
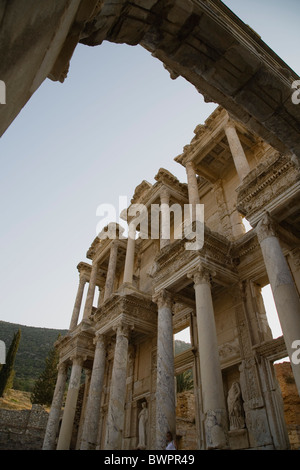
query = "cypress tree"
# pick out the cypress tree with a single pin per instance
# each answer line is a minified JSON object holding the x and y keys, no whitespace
{"x":43,"y":391}
{"x":7,"y":371}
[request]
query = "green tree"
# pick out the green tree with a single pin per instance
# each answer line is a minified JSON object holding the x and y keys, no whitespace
{"x":43,"y":390}
{"x":185,"y":381}
{"x":7,"y":371}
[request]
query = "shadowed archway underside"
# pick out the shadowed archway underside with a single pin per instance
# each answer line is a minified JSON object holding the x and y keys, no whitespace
{"x":200,"y":40}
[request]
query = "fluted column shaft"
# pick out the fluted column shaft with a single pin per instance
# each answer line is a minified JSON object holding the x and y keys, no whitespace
{"x":111,"y":272}
{"x":65,"y":434}
{"x":54,"y":415}
{"x":283,"y":287}
{"x":237,"y":151}
{"x":116,"y":412}
{"x":92,"y":414}
{"x":165,"y":386}
{"x":214,"y":407}
{"x":78,"y":301}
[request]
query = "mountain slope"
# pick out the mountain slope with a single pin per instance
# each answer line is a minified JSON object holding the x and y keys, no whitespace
{"x":34,"y":347}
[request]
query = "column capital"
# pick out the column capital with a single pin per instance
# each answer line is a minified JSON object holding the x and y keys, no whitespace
{"x":266,"y":227}
{"x":100,"y":340}
{"x":201,"y":275}
{"x":77,"y":360}
{"x":62,"y":368}
{"x":229,"y":124}
{"x":190,"y":165}
{"x":83,"y":278}
{"x":123,"y":329}
{"x":163,"y":299}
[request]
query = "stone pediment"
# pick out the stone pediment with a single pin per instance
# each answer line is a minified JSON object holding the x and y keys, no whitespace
{"x":140,"y":192}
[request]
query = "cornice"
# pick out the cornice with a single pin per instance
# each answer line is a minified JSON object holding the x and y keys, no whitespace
{"x":268,"y":186}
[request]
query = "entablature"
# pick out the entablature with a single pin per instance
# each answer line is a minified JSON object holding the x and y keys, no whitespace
{"x":78,"y":343}
{"x":134,"y":309}
{"x":175,"y":262}
{"x":274,"y":187}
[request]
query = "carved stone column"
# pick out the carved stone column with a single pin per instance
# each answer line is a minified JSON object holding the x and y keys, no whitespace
{"x":65,"y":434}
{"x":129,"y":260}
{"x":192,"y":189}
{"x":54,"y":415}
{"x":92,"y":414}
{"x":165,"y":386}
{"x":192,"y":183}
{"x":91,"y":292}
{"x":100,"y":297}
{"x":214,"y":407}
{"x":283,"y":287}
{"x":111,"y":272}
{"x":237,"y":151}
{"x":165,"y":218}
{"x":116,"y":412}
{"x":78,"y":301}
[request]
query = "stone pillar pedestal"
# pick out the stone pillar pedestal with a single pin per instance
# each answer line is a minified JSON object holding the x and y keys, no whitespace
{"x":92,"y":414}
{"x":214,"y":408}
{"x":129,"y":260}
{"x":77,"y":305}
{"x":110,"y":278}
{"x":283,"y":287}
{"x":91,"y":292}
{"x":237,"y":151}
{"x":66,"y":429}
{"x":116,"y":412}
{"x":165,"y":385}
{"x":54,"y":415}
{"x":165,"y":219}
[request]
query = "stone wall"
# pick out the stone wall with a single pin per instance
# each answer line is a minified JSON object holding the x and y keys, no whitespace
{"x":185,"y":421}
{"x":24,"y":429}
{"x":291,"y":402}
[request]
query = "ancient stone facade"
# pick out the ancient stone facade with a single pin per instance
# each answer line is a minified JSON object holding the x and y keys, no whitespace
{"x":152,"y":287}
{"x":243,"y":161}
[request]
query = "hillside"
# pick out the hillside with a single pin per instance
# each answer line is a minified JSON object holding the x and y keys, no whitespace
{"x":34,"y":347}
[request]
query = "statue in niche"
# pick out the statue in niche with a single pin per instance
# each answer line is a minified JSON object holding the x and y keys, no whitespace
{"x":143,"y":419}
{"x":235,"y":407}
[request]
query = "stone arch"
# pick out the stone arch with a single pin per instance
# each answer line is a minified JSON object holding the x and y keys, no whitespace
{"x":200,"y":40}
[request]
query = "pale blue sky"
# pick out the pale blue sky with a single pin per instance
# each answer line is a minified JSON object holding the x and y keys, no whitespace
{"x":115,"y":121}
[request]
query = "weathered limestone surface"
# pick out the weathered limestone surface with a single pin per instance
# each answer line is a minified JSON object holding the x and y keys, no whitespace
{"x":92,"y":414}
{"x":165,"y":387}
{"x":283,"y":287}
{"x":291,"y":402}
{"x":115,"y":417}
{"x":55,"y":412}
{"x":65,"y":434}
